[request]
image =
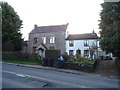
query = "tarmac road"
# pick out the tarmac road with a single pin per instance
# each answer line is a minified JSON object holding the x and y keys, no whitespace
{"x":24,"y":77}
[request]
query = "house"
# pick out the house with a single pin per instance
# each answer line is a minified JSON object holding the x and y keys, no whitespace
{"x":47,"y":37}
{"x":81,"y":43}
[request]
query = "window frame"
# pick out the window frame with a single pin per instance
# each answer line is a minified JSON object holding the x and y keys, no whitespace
{"x":34,"y":49}
{"x":71,"y":43}
{"x":52,"y":39}
{"x":35,"y":40}
{"x":86,"y":53}
{"x":86,"y":42}
{"x":71,"y":52}
{"x":44,"y":40}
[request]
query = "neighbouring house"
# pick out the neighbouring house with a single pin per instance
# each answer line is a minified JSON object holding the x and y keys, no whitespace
{"x":81,"y":43}
{"x":47,"y":37}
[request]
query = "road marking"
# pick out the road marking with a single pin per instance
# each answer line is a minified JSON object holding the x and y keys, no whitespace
{"x":21,"y":75}
{"x":45,"y":79}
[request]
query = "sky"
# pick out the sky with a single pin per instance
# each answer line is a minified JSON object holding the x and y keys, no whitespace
{"x":82,"y":15}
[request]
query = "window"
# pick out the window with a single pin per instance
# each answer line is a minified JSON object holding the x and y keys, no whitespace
{"x":52,"y":39}
{"x":86,"y":53}
{"x":71,"y":43}
{"x":34,"y":49}
{"x":35,"y":40}
{"x":86,"y":43}
{"x":71,"y":52}
{"x":44,"y":40}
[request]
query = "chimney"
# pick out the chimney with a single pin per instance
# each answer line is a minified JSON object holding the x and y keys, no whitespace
{"x":35,"y":26}
{"x":67,"y":24}
{"x":93,"y":31}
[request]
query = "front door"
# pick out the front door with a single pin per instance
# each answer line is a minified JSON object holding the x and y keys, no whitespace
{"x":41,"y":52}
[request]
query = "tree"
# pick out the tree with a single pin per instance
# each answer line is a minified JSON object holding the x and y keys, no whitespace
{"x":110,"y":28}
{"x":11,"y":25}
{"x":92,"y":50}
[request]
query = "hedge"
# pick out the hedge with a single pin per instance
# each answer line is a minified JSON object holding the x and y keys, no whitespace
{"x":52,"y":54}
{"x":20,"y":56}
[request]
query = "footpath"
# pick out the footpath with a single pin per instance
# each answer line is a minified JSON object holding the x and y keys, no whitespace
{"x":96,"y":73}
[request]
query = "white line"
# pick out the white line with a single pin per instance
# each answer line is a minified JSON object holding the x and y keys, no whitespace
{"x":21,"y":75}
{"x":50,"y":80}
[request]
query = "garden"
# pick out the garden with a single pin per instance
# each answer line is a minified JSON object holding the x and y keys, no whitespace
{"x":52,"y":60}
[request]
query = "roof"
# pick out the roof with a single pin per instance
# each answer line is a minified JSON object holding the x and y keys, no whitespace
{"x":48,"y":29}
{"x":82,"y":36}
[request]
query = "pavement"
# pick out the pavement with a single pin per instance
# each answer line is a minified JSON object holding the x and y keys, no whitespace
{"x":60,"y":70}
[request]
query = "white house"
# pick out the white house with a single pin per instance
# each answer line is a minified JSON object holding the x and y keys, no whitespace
{"x":81,"y":42}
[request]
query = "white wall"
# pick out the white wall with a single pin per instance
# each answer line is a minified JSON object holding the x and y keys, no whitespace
{"x":79,"y":44}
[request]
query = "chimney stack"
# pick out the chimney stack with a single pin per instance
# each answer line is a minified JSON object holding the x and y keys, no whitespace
{"x":35,"y":26}
{"x":93,"y":31}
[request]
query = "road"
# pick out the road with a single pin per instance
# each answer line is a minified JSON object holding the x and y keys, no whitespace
{"x":23,"y":77}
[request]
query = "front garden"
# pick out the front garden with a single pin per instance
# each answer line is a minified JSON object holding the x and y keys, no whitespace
{"x":75,"y":63}
{"x":51,"y":60}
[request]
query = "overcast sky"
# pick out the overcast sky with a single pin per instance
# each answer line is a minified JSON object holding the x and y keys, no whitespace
{"x":82,"y":15}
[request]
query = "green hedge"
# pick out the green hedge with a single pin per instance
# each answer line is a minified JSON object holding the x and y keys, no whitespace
{"x":16,"y":56}
{"x":52,"y":54}
{"x":11,"y":56}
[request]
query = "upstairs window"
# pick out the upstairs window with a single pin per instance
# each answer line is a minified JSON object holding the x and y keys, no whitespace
{"x":35,"y":40}
{"x":43,"y":40}
{"x":86,"y":43}
{"x":52,"y":39}
{"x":71,"y":43}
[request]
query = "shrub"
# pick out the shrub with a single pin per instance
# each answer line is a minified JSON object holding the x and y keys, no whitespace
{"x":52,"y":54}
{"x":66,"y":57}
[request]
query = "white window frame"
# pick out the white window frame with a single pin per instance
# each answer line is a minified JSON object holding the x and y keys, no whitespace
{"x":52,"y":39}
{"x":71,"y":52}
{"x":71,"y":43}
{"x":86,"y":42}
{"x":44,"y":40}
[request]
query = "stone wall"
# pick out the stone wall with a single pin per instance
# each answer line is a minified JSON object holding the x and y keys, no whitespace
{"x":59,"y":40}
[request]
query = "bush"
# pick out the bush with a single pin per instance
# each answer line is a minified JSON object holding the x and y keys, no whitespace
{"x":66,"y":57}
{"x":52,"y":54}
{"x":84,"y":64}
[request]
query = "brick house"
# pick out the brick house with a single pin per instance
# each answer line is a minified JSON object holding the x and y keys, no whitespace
{"x":47,"y":37}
